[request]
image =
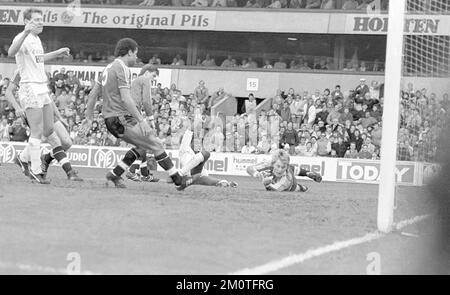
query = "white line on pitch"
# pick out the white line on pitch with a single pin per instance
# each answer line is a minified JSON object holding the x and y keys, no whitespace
{"x":299,"y":258}
{"x":38,"y":268}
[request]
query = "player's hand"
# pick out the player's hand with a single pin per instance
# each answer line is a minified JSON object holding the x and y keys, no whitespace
{"x":145,"y":127}
{"x":30,"y":27}
{"x":266,"y":181}
{"x":64,"y":52}
{"x":85,"y":126}
{"x":20,"y":112}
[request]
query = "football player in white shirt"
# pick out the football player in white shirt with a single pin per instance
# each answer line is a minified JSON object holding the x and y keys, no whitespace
{"x":33,"y":93}
{"x":192,"y":164}
{"x":60,"y":129}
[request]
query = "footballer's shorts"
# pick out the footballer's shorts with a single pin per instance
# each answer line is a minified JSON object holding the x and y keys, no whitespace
{"x":33,"y":95}
{"x":126,"y":127}
{"x":186,"y":154}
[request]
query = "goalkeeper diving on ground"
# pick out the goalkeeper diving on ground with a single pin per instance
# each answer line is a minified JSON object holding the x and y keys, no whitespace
{"x":279,"y":175}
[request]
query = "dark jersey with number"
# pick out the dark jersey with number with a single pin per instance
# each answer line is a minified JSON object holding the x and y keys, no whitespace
{"x":115,"y":76}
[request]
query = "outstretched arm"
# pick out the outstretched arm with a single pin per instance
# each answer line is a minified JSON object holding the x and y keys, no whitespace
{"x":91,"y":100}
{"x":9,"y":94}
{"x":62,"y":52}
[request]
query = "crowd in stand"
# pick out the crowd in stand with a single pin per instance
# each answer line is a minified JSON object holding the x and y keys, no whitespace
{"x":301,"y":63}
{"x":293,"y":4}
{"x":329,"y":123}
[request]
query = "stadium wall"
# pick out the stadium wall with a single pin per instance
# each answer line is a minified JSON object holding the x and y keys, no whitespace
{"x":331,"y":169}
{"x":236,"y":81}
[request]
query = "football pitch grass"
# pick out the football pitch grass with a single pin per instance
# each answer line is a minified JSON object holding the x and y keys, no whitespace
{"x":151,"y":228}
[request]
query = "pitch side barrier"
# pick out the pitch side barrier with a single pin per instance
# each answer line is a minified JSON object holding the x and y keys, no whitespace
{"x":331,"y":169}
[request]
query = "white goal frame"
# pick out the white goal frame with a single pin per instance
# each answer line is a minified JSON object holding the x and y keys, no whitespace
{"x":388,"y":153}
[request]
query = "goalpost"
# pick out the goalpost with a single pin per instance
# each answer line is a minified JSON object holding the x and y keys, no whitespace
{"x":423,"y":51}
{"x":388,"y":152}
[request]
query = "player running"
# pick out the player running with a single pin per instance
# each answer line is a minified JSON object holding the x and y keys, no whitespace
{"x":60,"y":130}
{"x":192,"y":164}
{"x":141,"y":93}
{"x":33,"y":93}
{"x":123,"y":119}
{"x":279,"y":175}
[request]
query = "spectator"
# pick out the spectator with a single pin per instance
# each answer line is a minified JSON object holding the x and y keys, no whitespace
{"x":219,"y":3}
{"x":358,"y":139}
{"x":4,"y":129}
{"x":201,"y":93}
{"x":217,"y":139}
{"x":362,"y":88}
{"x":334,"y":114}
{"x":370,"y":146}
{"x":350,"y":5}
{"x":285,"y":112}
{"x":310,"y":4}
{"x":229,"y":142}
{"x":364,"y":153}
{"x":267,"y":64}
{"x":228,"y":62}
{"x":18,"y":132}
{"x":363,"y":6}
{"x":280,"y":64}
{"x":368,"y":120}
{"x":251,"y":64}
{"x":155,"y":60}
{"x":200,"y":3}
{"x":61,"y":75}
{"x":376,"y":135}
{"x":351,"y":153}
{"x":263,"y":146}
{"x":296,"y":4}
{"x":328,"y":4}
{"x":309,"y":152}
{"x":250,"y":108}
{"x":63,"y":100}
{"x":209,"y":62}
{"x":346,"y":116}
{"x":340,"y":146}
{"x":323,"y":145}
{"x":258,"y":3}
{"x":180,"y":61}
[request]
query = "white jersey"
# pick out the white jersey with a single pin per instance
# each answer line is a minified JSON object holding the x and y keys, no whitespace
{"x":30,"y":61}
{"x":185,"y":152}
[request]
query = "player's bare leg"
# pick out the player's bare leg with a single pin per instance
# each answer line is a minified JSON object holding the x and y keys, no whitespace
{"x":212,"y":181}
{"x":35,"y":117}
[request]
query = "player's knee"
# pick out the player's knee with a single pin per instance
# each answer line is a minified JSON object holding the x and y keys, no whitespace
{"x":48,"y":131}
{"x":66,"y":144}
{"x":206,"y":155}
{"x":53,"y":140}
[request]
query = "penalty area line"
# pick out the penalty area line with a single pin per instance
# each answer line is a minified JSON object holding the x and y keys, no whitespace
{"x":336,"y":246}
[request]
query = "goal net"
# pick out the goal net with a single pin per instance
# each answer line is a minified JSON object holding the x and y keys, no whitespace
{"x":417,"y":68}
